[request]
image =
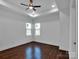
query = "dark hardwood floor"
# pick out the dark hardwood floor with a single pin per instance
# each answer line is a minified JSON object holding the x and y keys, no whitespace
{"x":34,"y":50}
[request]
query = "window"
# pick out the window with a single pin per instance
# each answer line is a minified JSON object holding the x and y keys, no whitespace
{"x":37,"y":29}
{"x":28,"y":29}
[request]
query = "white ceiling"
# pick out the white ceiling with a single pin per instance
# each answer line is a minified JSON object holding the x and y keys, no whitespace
{"x":46,"y":6}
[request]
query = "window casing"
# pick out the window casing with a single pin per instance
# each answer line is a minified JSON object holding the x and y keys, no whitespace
{"x":29,"y":29}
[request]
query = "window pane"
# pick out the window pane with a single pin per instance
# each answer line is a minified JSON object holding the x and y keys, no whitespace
{"x":37,"y":25}
{"x":37,"y":32}
{"x":29,"y":53}
{"x":28,"y":26}
{"x":28,"y":32}
{"x":37,"y":53}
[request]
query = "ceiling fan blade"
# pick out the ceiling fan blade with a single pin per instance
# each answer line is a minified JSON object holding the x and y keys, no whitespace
{"x":24,"y":4}
{"x":34,"y":9}
{"x":36,"y":6}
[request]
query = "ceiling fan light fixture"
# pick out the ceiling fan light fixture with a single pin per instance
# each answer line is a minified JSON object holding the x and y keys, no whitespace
{"x":30,"y":7}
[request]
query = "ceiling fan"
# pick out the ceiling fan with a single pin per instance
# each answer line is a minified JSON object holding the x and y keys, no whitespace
{"x":31,"y":6}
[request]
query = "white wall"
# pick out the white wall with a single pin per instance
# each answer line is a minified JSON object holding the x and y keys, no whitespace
{"x":55,"y":30}
{"x":64,"y":31}
{"x":73,"y":30}
{"x":73,"y":34}
{"x":50,"y":33}
{"x":12,"y":28}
